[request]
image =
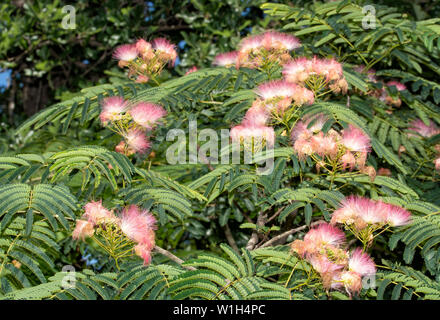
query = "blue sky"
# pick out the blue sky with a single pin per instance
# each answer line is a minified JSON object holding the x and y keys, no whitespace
{"x":4,"y":78}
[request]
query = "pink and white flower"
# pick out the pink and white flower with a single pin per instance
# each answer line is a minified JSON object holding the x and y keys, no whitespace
{"x":147,"y":114}
{"x":138,"y":225}
{"x":83,"y":229}
{"x":126,"y":52}
{"x":112,"y":109}
{"x":228,"y":59}
{"x":137,"y":141}
{"x":355,"y":139}
{"x":361,"y":263}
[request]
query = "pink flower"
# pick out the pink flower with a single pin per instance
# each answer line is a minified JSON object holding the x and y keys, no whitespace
{"x":348,"y":160}
{"x":373,"y":212}
{"x":120,"y":148}
{"x":361,"y":263}
{"x":329,"y":68}
{"x":143,"y":46}
{"x":138,"y":225}
{"x":298,"y":70}
{"x":276,"y":89}
{"x":355,"y":139}
{"x":112,"y":109}
{"x":399,"y":86}
{"x":437,"y":163}
{"x":323,"y":265}
{"x":147,"y":114}
{"x":256,"y":115}
{"x":303,"y":96}
{"x":325,"y":234}
{"x":191,"y":70}
{"x":304,"y":129}
{"x":228,"y":59}
{"x":142,"y":79}
{"x":126,"y":52}
{"x":421,"y":128}
{"x":165,"y":49}
{"x":82,"y":230}
{"x":144,"y":252}
{"x":137,"y":141}
{"x":251,"y":43}
{"x":348,"y":213}
{"x":397,"y":216}
{"x":352,"y":281}
{"x":96,"y":213}
{"x":253,"y":137}
{"x":280,"y":41}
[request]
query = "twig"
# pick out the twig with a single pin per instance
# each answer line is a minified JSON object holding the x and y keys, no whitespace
{"x":172,"y":257}
{"x":230,"y":238}
{"x":261,"y":221}
{"x":288,"y":233}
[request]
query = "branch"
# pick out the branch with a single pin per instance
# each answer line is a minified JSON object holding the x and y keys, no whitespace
{"x":230,"y":238}
{"x":261,"y":221}
{"x":288,"y":233}
{"x":172,"y":257}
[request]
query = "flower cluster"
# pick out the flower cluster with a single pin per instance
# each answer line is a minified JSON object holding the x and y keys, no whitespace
{"x":323,"y":248}
{"x":319,"y":75}
{"x":339,"y":151}
{"x":134,"y":228}
{"x":264,"y":49}
{"x":131,"y":122}
{"x":253,"y":132}
{"x":146,"y":60}
{"x":363,"y":217}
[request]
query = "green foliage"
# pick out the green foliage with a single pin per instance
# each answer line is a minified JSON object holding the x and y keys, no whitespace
{"x":62,"y":158}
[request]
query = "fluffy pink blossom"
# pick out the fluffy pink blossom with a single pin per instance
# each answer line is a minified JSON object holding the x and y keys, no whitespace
{"x":355,"y":139}
{"x":281,"y":89}
{"x":126,"y":52}
{"x":137,"y":141}
{"x":352,"y":281}
{"x":421,"y":128}
{"x":279,"y":41}
{"x":323,"y":265}
{"x":144,"y":252}
{"x":348,"y":160}
{"x":397,"y":216}
{"x":298,"y":70}
{"x":251,"y":43}
{"x":325,"y":234}
{"x":143,"y":46}
{"x":147,"y":114}
{"x":361,"y":263}
{"x":96,"y":213}
{"x":329,"y":68}
{"x":138,"y":225}
{"x":437,"y":163}
{"x":348,"y":212}
{"x":112,"y":109}
{"x":256,"y":115}
{"x":165,"y":49}
{"x":228,"y":59}
{"x":82,"y":230}
{"x":304,"y":129}
{"x":276,"y":89}
{"x":253,"y":135}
